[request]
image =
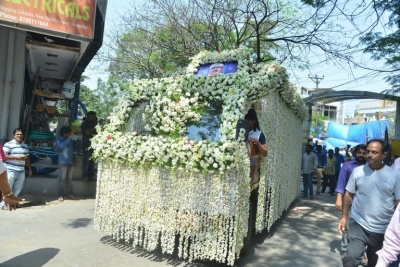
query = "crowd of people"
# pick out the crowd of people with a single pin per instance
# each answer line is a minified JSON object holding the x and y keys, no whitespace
{"x":367,"y":194}
{"x":16,"y":165}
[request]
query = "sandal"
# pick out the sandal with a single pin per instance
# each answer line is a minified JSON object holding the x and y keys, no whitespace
{"x":61,"y":199}
{"x":72,"y":197}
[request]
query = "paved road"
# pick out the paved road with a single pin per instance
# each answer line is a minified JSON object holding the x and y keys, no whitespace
{"x":62,"y":235}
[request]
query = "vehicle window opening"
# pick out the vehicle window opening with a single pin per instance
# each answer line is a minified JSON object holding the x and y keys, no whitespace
{"x":208,"y":127}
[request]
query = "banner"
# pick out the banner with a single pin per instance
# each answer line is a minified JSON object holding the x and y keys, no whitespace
{"x":72,"y":17}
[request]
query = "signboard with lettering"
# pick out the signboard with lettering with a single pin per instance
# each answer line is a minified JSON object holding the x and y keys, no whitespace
{"x":69,"y":17}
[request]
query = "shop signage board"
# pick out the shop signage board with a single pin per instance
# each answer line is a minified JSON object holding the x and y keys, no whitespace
{"x":64,"y":18}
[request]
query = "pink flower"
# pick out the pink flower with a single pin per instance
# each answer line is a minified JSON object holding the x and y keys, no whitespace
{"x":108,"y":137}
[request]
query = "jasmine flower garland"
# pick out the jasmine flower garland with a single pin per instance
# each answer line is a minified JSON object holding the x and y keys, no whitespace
{"x":168,"y":185}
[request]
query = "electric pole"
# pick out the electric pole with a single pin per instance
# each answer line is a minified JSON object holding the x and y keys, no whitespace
{"x":315,"y":79}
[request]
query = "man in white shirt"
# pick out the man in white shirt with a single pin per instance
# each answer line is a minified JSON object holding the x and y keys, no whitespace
{"x":377,"y":190}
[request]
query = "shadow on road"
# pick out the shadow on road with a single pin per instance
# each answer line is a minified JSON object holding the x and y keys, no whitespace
{"x":157,"y":255}
{"x":36,"y":258}
{"x":33,"y":201}
{"x":78,"y":223}
{"x":304,"y":236}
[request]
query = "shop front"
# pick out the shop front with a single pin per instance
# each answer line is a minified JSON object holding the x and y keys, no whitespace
{"x":45,"y":47}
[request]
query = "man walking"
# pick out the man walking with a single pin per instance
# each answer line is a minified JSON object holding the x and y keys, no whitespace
{"x":388,"y":255}
{"x":321,"y":166}
{"x":329,"y":173}
{"x":377,"y":187}
{"x":346,"y":171}
{"x":344,"y":175}
{"x":309,"y":165}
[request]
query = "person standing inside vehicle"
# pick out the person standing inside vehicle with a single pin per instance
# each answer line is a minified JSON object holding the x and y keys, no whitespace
{"x":17,"y":154}
{"x":88,"y":128}
{"x":308,"y":166}
{"x":66,"y":162}
{"x":377,"y":190}
{"x":257,"y":147}
{"x":321,"y":166}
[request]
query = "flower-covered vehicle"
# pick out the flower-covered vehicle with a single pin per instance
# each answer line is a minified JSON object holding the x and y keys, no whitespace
{"x":173,"y":167}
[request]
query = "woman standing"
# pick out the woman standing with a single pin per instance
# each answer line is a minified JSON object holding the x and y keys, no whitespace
{"x":17,"y":155}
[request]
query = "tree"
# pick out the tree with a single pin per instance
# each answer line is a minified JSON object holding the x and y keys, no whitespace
{"x":387,"y":46}
{"x":318,"y":124}
{"x":163,"y":34}
{"x":103,"y":99}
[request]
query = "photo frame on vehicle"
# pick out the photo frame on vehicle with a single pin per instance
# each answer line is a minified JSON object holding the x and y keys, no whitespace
{"x":210,"y":70}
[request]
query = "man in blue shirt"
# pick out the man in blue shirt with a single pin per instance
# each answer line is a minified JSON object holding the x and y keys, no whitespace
{"x":324,"y":150}
{"x":339,"y":161}
{"x":321,"y":166}
{"x":66,"y":162}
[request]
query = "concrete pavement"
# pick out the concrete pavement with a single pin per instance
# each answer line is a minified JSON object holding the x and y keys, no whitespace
{"x":61,"y":234}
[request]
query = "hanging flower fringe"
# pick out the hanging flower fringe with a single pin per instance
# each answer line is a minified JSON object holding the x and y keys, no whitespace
{"x":155,"y":206}
{"x":161,"y":189}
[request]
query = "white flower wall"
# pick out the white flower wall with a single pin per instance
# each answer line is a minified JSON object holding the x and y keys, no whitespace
{"x":208,"y":212}
{"x":280,"y":170}
{"x":155,"y":188}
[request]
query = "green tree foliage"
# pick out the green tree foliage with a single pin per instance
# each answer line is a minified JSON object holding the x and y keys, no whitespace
{"x":387,"y":45}
{"x":318,"y":124}
{"x":162,"y":35}
{"x":103,"y":99}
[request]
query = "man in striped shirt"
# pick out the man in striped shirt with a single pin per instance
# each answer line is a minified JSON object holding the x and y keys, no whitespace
{"x":17,"y":154}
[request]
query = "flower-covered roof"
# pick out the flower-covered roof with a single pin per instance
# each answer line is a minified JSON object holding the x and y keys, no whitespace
{"x":177,"y":101}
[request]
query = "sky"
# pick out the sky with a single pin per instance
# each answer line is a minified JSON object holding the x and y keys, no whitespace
{"x":334,"y":76}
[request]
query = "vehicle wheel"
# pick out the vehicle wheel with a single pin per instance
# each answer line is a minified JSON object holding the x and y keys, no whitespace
{"x":247,"y":239}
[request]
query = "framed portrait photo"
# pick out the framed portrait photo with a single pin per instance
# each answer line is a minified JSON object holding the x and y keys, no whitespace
{"x":210,"y":70}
